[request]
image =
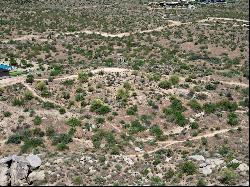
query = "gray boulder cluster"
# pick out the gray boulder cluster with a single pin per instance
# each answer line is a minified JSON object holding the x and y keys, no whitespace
{"x":208,"y":164}
{"x":20,"y":170}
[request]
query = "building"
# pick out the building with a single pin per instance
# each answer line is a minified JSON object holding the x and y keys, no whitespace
{"x":5,"y":69}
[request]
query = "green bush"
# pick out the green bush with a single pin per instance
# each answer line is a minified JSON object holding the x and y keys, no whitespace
{"x":195,"y":105}
{"x":14,"y":139}
{"x":31,"y":143}
{"x":83,"y":77}
{"x":30,"y":78}
{"x":209,"y":108}
{"x":99,"y":107}
{"x":188,"y":168}
{"x":18,"y":102}
{"x":73,"y":122}
{"x":174,"y":79}
{"x":227,"y":176}
{"x":62,"y":111}
{"x":232,"y":119}
{"x":37,"y":120}
{"x":132,"y":110}
{"x":136,"y":127}
{"x":156,"y":131}
{"x":165,"y":84}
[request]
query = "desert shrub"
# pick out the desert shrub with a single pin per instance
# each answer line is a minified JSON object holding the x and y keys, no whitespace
{"x":204,"y":141}
{"x":7,"y":114}
{"x":188,"y":168}
{"x":209,"y":108}
{"x":156,"y":131}
{"x":127,"y":85}
{"x":165,"y":84}
{"x":227,"y":105}
{"x":100,"y":120}
{"x":122,"y":95}
{"x":14,"y":139}
{"x":83,"y":77}
{"x":41,"y":85}
{"x":232,"y":119}
{"x":211,"y":86}
{"x":132,"y":110}
{"x":136,"y":127}
{"x":37,"y":120}
{"x":227,"y":176}
{"x":233,"y":165}
{"x":73,"y":122}
{"x":31,"y":143}
{"x":48,"y":105}
{"x":18,"y":102}
{"x":99,"y":107}
{"x":28,"y":95}
{"x":30,"y":78}
{"x":79,"y":97}
{"x":152,"y":104}
{"x":174,"y":79}
{"x":62,"y":111}
{"x":50,"y":132}
{"x":195,"y":105}
{"x":194,"y":125}
{"x":155,"y":77}
{"x":156,"y":181}
{"x":62,"y":146}
{"x":174,"y":113}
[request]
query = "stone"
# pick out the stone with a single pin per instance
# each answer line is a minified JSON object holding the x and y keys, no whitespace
{"x":4,"y":175}
{"x":34,"y":161}
{"x":36,"y":176}
{"x":20,"y":159}
{"x":206,"y":170}
{"x":18,"y":173}
{"x":128,"y":160}
{"x":191,"y":120}
{"x":214,"y":162}
{"x":203,"y":165}
{"x":199,"y":115}
{"x":138,"y":149}
{"x":243,"y":167}
{"x":5,"y":160}
{"x":168,"y":159}
{"x":197,"y":157}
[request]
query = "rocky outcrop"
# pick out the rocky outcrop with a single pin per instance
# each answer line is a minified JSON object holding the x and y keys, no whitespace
{"x":4,"y":175}
{"x":19,"y":170}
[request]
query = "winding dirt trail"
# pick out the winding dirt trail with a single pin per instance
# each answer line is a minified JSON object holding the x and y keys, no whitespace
{"x":172,"y":23}
{"x":168,"y":143}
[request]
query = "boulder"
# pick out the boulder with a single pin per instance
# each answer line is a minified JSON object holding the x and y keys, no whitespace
{"x":206,"y":170}
{"x":34,"y":161}
{"x":18,"y":173}
{"x":36,"y":176}
{"x":4,"y":175}
{"x":197,"y":157}
{"x":214,"y":162}
{"x":243,"y":167}
{"x":5,"y":160}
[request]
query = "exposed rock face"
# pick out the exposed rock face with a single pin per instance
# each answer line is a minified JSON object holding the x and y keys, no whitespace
{"x":15,"y":170}
{"x":4,"y":175}
{"x":34,"y":161}
{"x":243,"y":167}
{"x":36,"y":176}
{"x":197,"y":157}
{"x":18,"y":173}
